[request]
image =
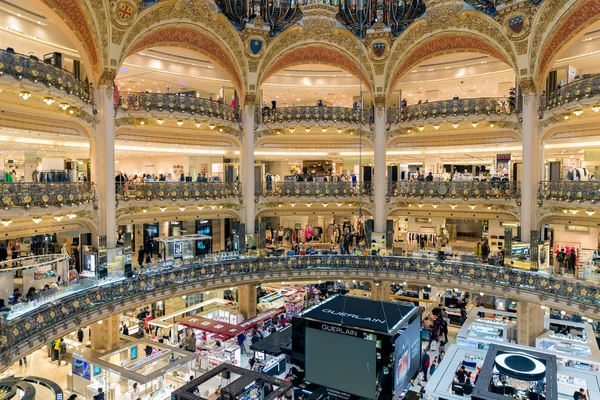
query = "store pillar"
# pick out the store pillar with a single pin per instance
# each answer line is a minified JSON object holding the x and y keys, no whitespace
{"x":164,"y":229}
{"x":247,"y":300}
{"x":105,"y":335}
{"x":379,"y":209}
{"x":247,"y":163}
{"x":103,"y":163}
{"x":381,"y":290}
{"x":530,"y":322}
{"x":531,"y":175}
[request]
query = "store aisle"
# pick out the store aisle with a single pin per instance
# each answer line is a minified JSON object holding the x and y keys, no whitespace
{"x":39,"y":364}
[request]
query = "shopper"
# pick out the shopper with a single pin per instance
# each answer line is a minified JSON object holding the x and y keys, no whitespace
{"x":241,"y":339}
{"x":22,"y":361}
{"x":135,"y":391}
{"x":100,"y":395}
{"x":56,"y":349}
{"x":3,"y":252}
{"x":141,"y":255}
{"x":4,"y":309}
{"x":461,"y":374}
{"x":444,"y":330}
{"x":80,"y":335}
{"x":425,"y":361}
{"x":125,"y":329}
{"x":62,"y":352}
{"x":434,"y":364}
{"x":578,"y":394}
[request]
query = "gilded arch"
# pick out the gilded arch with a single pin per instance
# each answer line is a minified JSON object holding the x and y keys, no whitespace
{"x":547,"y":44}
{"x":447,"y":20}
{"x":314,"y":55}
{"x":76,"y":21}
{"x":442,"y":44}
{"x":201,"y":15}
{"x":193,"y":38}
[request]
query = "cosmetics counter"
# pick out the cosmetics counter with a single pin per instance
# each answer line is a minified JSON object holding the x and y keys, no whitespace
{"x":272,"y":352}
{"x":484,"y":326}
{"x":578,"y":348}
{"x":155,"y":369}
{"x":443,"y":384}
{"x":291,"y":298}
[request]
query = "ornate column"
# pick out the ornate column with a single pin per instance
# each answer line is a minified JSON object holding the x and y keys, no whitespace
{"x":247,"y":162}
{"x":105,"y":335}
{"x":380,"y":290}
{"x":530,"y":322}
{"x":379,"y":209}
{"x":247,"y":300}
{"x":103,"y":159}
{"x":531,"y":175}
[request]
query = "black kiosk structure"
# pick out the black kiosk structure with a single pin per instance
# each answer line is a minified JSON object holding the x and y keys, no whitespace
{"x":353,"y":348}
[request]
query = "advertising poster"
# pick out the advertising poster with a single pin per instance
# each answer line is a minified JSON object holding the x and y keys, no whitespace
{"x":407,"y":356}
{"x":89,"y":262}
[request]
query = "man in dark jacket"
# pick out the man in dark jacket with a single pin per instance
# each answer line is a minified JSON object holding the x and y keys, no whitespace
{"x":3,"y":253}
{"x":141,"y":254}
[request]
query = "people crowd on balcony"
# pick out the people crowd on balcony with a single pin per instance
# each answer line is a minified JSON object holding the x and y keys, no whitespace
{"x":122,"y":179}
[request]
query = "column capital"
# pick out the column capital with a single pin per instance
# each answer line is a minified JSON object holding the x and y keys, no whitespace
{"x":107,"y":78}
{"x":250,"y":99}
{"x":527,"y":86}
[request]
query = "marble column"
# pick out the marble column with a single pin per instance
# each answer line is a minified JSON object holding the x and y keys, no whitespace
{"x":531,"y":174}
{"x":103,"y":164}
{"x":379,"y":209}
{"x":247,"y":165}
{"x":530,"y":322}
{"x":105,"y":335}
{"x":247,"y":300}
{"x":381,"y":290}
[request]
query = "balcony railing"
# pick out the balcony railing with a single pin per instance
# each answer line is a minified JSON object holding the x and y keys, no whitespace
{"x":317,"y":114}
{"x":23,"y":67}
{"x":177,"y":103}
{"x":580,"y":89}
{"x":328,"y":190}
{"x":452,"y":108}
{"x":570,"y":191}
{"x":178,"y":191}
{"x":456,"y":190}
{"x":35,"y":328}
{"x":45,"y":194}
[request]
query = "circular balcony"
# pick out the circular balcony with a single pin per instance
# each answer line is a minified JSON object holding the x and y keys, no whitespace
{"x":28,"y":331}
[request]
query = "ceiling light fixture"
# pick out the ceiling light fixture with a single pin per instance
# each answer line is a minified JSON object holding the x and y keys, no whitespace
{"x":179,"y":122}
{"x":71,"y":216}
{"x":492,"y":124}
{"x":144,"y":210}
{"x":436,"y":127}
{"x":63,"y":106}
{"x":455,"y":125}
{"x":421,"y":128}
{"x":48,"y":100}
{"x":142,"y":122}
{"x":453,"y":206}
{"x":474,"y":124}
{"x":198,"y":124}
{"x":566,"y":117}
{"x":200,"y":208}
{"x":162,"y":209}
{"x":160,"y":121}
{"x":472,"y":206}
{"x":339,"y":204}
{"x":408,"y":130}
{"x":590,"y":212}
{"x":325,"y":204}
{"x":574,"y":211}
{"x":578,"y":112}
{"x":211,"y":126}
{"x":435,"y":205}
{"x":71,"y":111}
{"x":213,"y":207}
{"x":58,"y":217}
{"x":420,"y":205}
{"x":25,"y":95}
{"x":292,"y":130}
{"x":324,"y":130}
{"x":307,"y":130}
{"x":338,"y":130}
{"x":596,"y":108}
{"x":308,"y":204}
{"x":278,"y":132}
{"x":293,"y":204}
{"x":182,"y":209}
{"x":37,"y":220}
{"x":6,"y":222}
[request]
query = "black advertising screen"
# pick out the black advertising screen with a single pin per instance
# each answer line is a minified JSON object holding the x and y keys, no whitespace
{"x":407,"y":356}
{"x":341,"y":362}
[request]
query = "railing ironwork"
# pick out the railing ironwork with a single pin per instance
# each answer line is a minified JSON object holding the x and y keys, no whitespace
{"x":455,"y":189}
{"x":21,"y":67}
{"x":327,"y":190}
{"x":570,"y":191}
{"x":177,"y":103}
{"x":317,"y":114}
{"x":574,"y":91}
{"x":20,"y":334}
{"x":178,"y":190}
{"x":44,"y":194}
{"x":446,"y":108}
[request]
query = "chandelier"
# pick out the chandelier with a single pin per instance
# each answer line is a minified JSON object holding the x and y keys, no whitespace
{"x":360,"y":15}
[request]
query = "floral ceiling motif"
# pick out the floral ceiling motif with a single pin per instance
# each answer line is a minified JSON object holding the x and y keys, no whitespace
{"x":193,"y":39}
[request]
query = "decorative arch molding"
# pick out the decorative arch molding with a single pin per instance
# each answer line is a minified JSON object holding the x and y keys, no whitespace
{"x":507,"y":213}
{"x":76,"y":20}
{"x":202,"y":16}
{"x":558,"y":24}
{"x":445,"y":43}
{"x":311,"y":54}
{"x":193,"y":38}
{"x":317,"y":31}
{"x":451,"y":20}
